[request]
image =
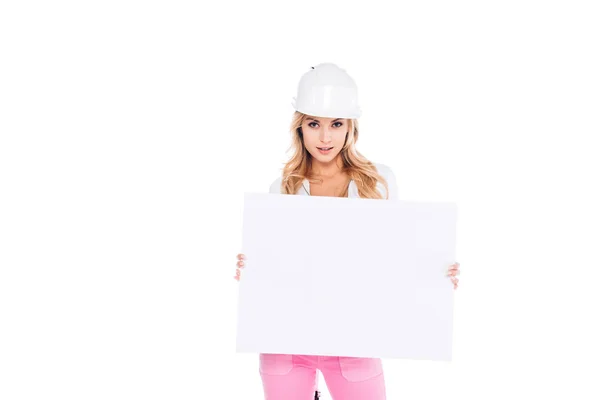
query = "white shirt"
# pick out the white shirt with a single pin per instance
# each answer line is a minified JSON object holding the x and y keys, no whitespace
{"x":382,"y":169}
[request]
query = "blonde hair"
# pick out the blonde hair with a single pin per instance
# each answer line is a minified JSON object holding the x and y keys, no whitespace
{"x":362,"y":171}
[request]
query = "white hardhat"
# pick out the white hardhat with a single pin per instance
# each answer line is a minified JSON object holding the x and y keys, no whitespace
{"x":327,"y":91}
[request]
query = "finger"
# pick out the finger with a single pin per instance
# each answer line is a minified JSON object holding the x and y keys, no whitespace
{"x":240,"y":264}
{"x":241,"y":256}
{"x":237,"y":272}
{"x":237,"y":277}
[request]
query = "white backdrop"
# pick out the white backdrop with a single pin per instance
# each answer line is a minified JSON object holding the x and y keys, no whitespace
{"x":130,"y":131}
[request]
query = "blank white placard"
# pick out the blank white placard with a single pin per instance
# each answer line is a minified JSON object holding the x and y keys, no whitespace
{"x":346,"y":277}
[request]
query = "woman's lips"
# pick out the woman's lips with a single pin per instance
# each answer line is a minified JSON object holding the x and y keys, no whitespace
{"x":324,"y":150}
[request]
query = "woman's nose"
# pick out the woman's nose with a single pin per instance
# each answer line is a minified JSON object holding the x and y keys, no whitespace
{"x":325,"y":136}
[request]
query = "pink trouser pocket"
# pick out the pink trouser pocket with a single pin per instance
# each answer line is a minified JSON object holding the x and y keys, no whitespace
{"x":276,"y":364}
{"x":356,"y":369}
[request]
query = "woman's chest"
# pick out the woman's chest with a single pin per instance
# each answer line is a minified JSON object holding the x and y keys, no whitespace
{"x":331,"y":187}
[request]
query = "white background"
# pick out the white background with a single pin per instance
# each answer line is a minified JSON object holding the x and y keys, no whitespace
{"x":130,"y":131}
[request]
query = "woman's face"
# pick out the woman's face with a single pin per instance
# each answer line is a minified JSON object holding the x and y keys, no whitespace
{"x":324,"y":137}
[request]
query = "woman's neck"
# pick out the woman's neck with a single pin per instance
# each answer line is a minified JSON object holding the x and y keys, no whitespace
{"x":327,"y":170}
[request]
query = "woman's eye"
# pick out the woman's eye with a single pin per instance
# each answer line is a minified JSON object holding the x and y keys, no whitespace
{"x":312,"y":124}
{"x":338,"y":124}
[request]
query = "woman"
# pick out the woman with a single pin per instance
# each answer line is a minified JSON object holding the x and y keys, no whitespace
{"x":326,"y":163}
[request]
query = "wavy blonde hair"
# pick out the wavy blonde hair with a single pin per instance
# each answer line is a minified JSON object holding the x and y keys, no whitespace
{"x":362,"y":171}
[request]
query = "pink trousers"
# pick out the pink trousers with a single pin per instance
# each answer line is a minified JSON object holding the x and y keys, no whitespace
{"x":294,"y":377}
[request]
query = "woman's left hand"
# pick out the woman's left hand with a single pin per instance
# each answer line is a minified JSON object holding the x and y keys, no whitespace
{"x":454,"y":270}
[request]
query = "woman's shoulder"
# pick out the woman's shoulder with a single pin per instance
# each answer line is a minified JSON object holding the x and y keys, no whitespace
{"x":389,"y":176}
{"x":276,"y":185}
{"x":384,"y":170}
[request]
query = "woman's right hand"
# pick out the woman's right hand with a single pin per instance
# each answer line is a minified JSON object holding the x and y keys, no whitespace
{"x":240,"y":264}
